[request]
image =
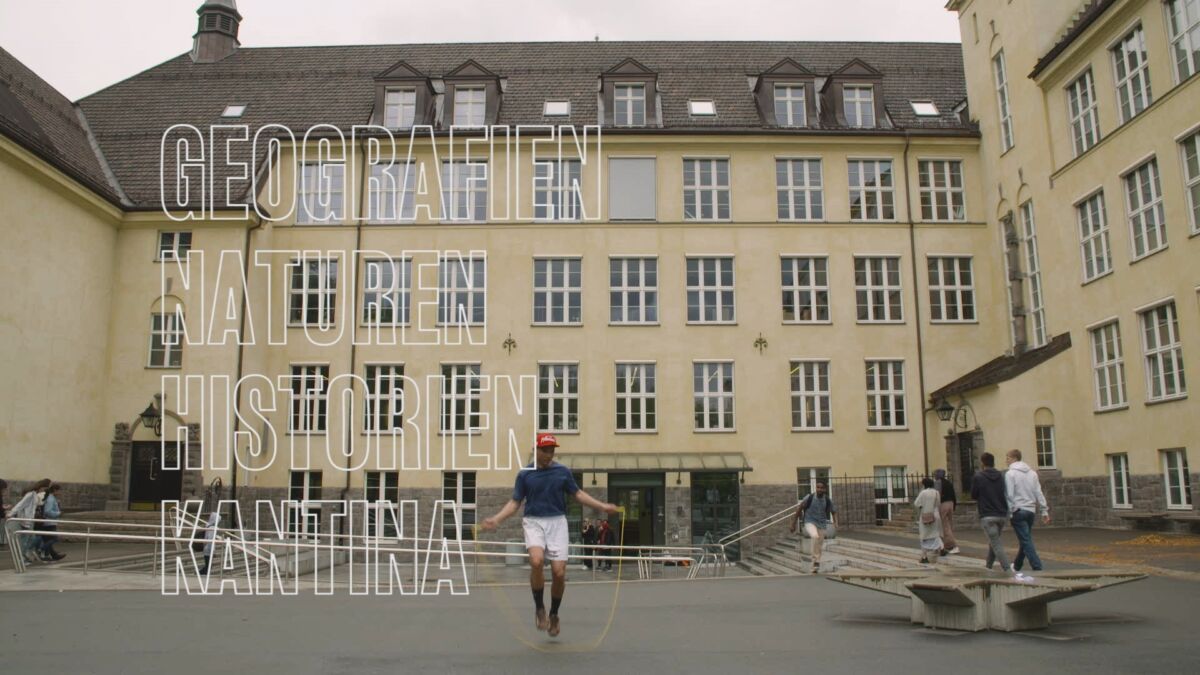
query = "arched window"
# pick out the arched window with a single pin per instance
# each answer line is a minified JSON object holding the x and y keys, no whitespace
{"x":1043,"y":428}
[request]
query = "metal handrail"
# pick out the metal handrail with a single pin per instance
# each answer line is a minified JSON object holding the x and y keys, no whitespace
{"x":757,"y":526}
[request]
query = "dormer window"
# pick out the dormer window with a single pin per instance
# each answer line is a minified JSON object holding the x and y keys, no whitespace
{"x":629,"y":102}
{"x":790,"y":108}
{"x":859,"y":102}
{"x":399,"y":108}
{"x":556,"y":109}
{"x":236,"y":110}
{"x":470,"y":106}
{"x":702,"y":109}
{"x":924,"y":109}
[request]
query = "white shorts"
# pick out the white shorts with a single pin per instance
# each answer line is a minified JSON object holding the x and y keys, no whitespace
{"x":548,"y":533}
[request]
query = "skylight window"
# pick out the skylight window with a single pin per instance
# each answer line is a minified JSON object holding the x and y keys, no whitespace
{"x":557,"y":109}
{"x":924,"y":108}
{"x":235,"y":110}
{"x":702,"y":108}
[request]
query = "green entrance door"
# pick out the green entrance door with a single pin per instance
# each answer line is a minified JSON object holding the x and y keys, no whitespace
{"x":643,"y":495}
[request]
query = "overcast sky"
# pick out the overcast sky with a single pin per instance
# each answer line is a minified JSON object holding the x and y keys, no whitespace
{"x":80,"y":46}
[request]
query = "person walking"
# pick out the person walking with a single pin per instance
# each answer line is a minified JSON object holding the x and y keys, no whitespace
{"x":4,"y":507}
{"x":541,"y":489}
{"x":26,"y":507}
{"x":817,"y":512}
{"x":946,"y":507}
{"x":51,"y":511}
{"x":988,"y":490}
{"x":588,"y":536}
{"x":929,"y":521}
{"x":1023,"y":492}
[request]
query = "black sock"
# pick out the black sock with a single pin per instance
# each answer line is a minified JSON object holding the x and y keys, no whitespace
{"x":537,"y":598}
{"x":554,"y":603}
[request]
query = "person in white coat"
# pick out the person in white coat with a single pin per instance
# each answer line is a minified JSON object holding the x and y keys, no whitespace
{"x":929,"y":521}
{"x":1024,"y":493}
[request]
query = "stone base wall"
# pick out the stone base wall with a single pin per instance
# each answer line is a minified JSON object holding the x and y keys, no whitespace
{"x":678,"y":516}
{"x":72,"y":496}
{"x":761,"y":501}
{"x":1087,"y":502}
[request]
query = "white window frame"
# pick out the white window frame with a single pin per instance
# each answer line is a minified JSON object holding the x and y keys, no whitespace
{"x":309,"y":386}
{"x":1036,"y":295}
{"x":723,"y":295}
{"x":558,"y":290}
{"x":1167,"y":347}
{"x":380,"y":293}
{"x":1178,"y":498}
{"x":386,"y":489}
{"x":1108,"y":366}
{"x":1183,"y":32}
{"x":173,"y":245}
{"x":887,"y":307}
{"x":1046,"y":446}
{"x":643,"y":374}
{"x":383,"y":399}
{"x":557,"y":195}
{"x":558,"y":396}
{"x":948,"y":290}
{"x":1000,"y":80}
{"x":809,"y":278}
{"x":627,"y":97}
{"x":1120,"y":491}
{"x":1190,"y":152}
{"x":945,"y":193}
{"x":465,"y":191}
{"x":811,"y":394}
{"x":859,"y":108}
{"x":469,"y":401}
{"x":1147,"y":219}
{"x":799,"y":189}
{"x":1083,"y":112}
{"x":462,"y":283}
{"x":1134,"y":93}
{"x":391,"y":193}
{"x":470,"y":105}
{"x":646,"y":293}
{"x":167,"y":329}
{"x":304,"y":506}
{"x":713,"y":393}
{"x":873,"y":200}
{"x":795,"y":110}
{"x":323,"y":203}
{"x":399,"y":107}
{"x":1095,"y":251}
{"x":455,"y":489}
{"x":324,"y":294}
{"x":881,"y":380}
{"x":706,"y":189}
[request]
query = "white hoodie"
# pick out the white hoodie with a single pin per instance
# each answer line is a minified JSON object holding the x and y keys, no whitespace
{"x":1023,"y":489}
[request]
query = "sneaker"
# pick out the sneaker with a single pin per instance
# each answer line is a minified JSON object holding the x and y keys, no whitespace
{"x":554,"y":627}
{"x":541,"y":622}
{"x":816,"y":568}
{"x":953,"y":551}
{"x":1021,"y":577}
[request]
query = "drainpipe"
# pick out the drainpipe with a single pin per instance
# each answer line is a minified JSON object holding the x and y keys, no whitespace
{"x":912,"y":255}
{"x":352,"y":308}
{"x":233,"y":482}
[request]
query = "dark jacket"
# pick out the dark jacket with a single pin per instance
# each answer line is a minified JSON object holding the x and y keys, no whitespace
{"x":987,"y":488}
{"x":947,"y":491}
{"x":589,"y":534}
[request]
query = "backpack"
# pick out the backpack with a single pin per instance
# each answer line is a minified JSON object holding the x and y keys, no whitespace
{"x":828,"y":505}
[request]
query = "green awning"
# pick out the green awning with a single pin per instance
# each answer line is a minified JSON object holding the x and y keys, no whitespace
{"x":639,"y":462}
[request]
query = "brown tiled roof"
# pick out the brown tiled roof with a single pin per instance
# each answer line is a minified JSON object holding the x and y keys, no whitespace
{"x":1087,"y":16}
{"x":1003,"y":368}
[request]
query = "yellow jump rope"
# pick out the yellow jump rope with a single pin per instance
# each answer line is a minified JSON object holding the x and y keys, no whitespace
{"x":560,"y":647}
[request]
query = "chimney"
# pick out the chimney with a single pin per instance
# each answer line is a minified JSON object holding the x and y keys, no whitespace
{"x":216,"y":34}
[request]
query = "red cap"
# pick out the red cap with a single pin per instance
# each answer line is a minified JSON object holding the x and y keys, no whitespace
{"x":547,"y":441}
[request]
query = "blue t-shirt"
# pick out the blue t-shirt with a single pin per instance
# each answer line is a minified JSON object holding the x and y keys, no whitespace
{"x":542,"y":490}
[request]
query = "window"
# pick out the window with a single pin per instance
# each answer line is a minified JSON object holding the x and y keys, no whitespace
{"x":320,"y":193}
{"x":629,"y":105}
{"x":1164,"y":353}
{"x":1081,"y":107}
{"x":464,"y":191}
{"x":710,"y":290}
{"x":174,"y":245}
{"x":558,"y":397}
{"x":807,"y":479}
{"x":1177,"y":479}
{"x":391,"y":193}
{"x":459,"y":487}
{"x":859,"y":102}
{"x":166,"y":341}
{"x":1006,"y":124}
{"x":304,"y":514}
{"x":712,"y":394}
{"x":313,"y":297}
{"x":556,"y":193}
{"x":1108,"y":364}
{"x":891,"y":489}
{"x":632,"y":190}
{"x":556,"y":109}
{"x":461,"y":397}
{"x":924,"y":108}
{"x":798,"y":189}
{"x":951,"y":289}
{"x":790,"y":108}
{"x":705,"y":189}
{"x":633,"y":290}
{"x":1148,"y":227}
{"x":557,"y":291}
{"x":877,"y":290}
{"x":384,"y":405}
{"x":805,"y":284}
{"x":885,"y":395}
{"x":941,"y":190}
{"x":310,"y":393}
{"x":1044,"y":440}
{"x":1191,"y":174}
{"x":1133,"y":74}
{"x":1036,"y":310}
{"x":636,"y":397}
{"x":382,"y":486}
{"x":702,"y":108}
{"x":810,"y":396}
{"x":1183,"y":22}
{"x":233,"y":111}
{"x":1093,"y":237}
{"x":469,"y":106}
{"x":462,"y":297}
{"x":400,"y":108}
{"x":386,"y":290}
{"x":1118,"y":480}
{"x":871,"y":189}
